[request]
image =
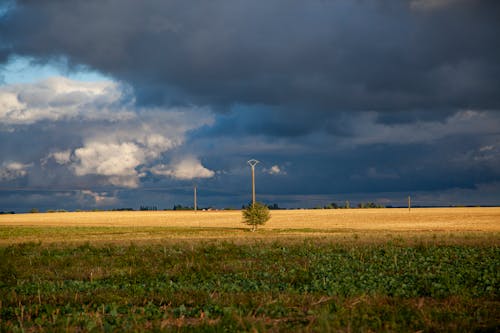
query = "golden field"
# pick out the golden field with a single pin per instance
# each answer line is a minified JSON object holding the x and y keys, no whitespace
{"x":158,"y":225}
{"x":450,"y":219}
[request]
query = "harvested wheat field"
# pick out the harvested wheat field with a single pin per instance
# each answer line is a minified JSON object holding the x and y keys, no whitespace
{"x":455,"y":219}
{"x":157,"y":225}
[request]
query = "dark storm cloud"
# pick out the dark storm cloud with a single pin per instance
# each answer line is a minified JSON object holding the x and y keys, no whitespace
{"x":337,"y":96}
{"x":316,"y":55}
{"x":331,"y":172}
{"x":459,"y":152}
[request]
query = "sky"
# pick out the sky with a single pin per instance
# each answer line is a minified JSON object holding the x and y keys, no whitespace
{"x":123,"y":103}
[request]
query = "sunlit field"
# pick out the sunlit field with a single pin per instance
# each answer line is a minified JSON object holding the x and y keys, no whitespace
{"x":345,"y":270}
{"x":158,"y":225}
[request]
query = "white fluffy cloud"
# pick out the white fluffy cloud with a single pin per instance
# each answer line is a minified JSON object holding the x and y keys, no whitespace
{"x":101,"y":134}
{"x":275,"y":170}
{"x":59,"y":98}
{"x":117,"y":154}
{"x":13,"y":170}
{"x":61,"y":157}
{"x":116,"y":161}
{"x":184,"y":169}
{"x":98,"y":198}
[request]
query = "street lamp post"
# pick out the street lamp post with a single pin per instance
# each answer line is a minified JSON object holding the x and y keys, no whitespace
{"x":252,"y":164}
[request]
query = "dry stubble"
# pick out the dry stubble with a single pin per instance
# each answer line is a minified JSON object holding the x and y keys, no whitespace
{"x":159,"y":225}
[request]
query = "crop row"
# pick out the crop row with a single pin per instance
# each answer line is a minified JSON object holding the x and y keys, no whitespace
{"x":213,"y":284}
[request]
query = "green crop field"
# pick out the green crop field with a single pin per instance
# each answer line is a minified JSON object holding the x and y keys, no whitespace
{"x":229,"y":279}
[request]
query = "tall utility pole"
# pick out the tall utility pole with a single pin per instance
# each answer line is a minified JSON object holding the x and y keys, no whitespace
{"x":409,"y":203}
{"x":195,"y":203}
{"x":252,"y":163}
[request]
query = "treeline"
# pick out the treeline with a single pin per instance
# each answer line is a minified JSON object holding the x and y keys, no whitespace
{"x":347,"y":205}
{"x":143,"y":208}
{"x":370,"y":205}
{"x":273,"y":206}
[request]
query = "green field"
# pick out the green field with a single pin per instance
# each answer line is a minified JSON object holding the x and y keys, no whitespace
{"x":310,"y":284}
{"x":431,"y":270}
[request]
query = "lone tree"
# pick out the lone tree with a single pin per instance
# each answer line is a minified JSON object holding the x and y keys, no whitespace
{"x":256,"y":214}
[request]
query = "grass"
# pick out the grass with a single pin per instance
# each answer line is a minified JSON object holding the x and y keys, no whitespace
{"x":149,"y":235}
{"x":259,"y":285}
{"x":83,"y":274}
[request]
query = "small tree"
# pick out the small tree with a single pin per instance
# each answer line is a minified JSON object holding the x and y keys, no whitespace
{"x":256,"y":214}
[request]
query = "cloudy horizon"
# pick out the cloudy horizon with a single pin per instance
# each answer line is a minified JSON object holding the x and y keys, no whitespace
{"x":114,"y":104}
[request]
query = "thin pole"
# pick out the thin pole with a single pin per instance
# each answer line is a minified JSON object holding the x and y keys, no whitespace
{"x":252,"y":163}
{"x":253,"y":185}
{"x":409,"y":203}
{"x":195,"y":204}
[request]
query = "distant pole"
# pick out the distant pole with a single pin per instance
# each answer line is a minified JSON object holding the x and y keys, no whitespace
{"x":195,"y":203}
{"x":252,"y":164}
{"x":409,"y":203}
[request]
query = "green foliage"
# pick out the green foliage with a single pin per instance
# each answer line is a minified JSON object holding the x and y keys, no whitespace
{"x":34,"y":210}
{"x":144,"y":207}
{"x":274,"y":206}
{"x":256,"y":214}
{"x":333,"y":205}
{"x":261,"y":286}
{"x":57,"y":211}
{"x":181,"y":207}
{"x":370,"y":205}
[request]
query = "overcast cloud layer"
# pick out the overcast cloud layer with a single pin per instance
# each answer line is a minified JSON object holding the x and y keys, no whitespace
{"x":360,"y":100}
